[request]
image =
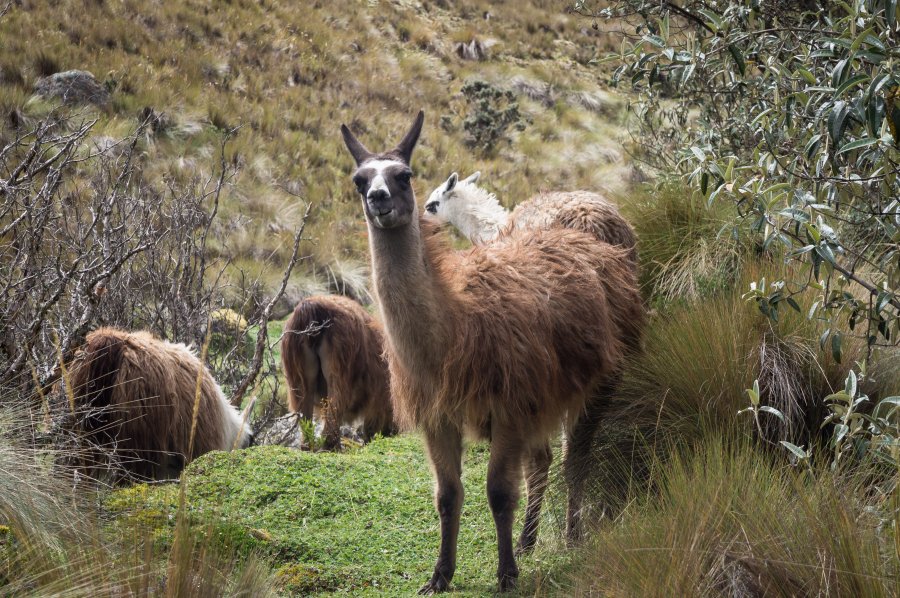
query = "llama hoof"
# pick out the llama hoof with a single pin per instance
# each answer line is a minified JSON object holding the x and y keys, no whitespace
{"x":507,"y":581}
{"x":438,"y":583}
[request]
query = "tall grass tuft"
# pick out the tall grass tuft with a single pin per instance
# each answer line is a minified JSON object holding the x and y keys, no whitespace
{"x":686,"y":248}
{"x":728,"y":520}
{"x":56,"y":539}
{"x":699,"y":359}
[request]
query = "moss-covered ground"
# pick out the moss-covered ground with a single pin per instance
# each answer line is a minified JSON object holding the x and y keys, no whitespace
{"x":359,"y":523}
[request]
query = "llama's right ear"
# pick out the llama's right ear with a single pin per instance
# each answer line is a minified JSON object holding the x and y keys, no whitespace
{"x":451,"y":182}
{"x":405,"y":148}
{"x":357,"y":149}
{"x":473,"y":178}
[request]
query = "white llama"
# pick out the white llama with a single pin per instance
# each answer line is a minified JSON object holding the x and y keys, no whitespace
{"x":478,"y":215}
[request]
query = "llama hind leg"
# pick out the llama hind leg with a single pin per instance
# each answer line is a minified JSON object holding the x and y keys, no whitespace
{"x":577,"y":460}
{"x":503,"y":478}
{"x":445,"y":453}
{"x":338,"y":397}
{"x":537,"y":468}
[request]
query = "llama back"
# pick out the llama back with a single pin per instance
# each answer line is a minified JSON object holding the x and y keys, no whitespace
{"x":137,"y":396}
{"x":553,"y":304}
{"x":581,"y":210}
{"x":353,"y":341}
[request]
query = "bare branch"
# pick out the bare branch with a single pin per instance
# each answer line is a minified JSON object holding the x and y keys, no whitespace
{"x":263,"y":322}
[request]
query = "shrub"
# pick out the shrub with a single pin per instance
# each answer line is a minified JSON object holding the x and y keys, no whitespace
{"x":491,"y":112}
{"x":788,"y":113}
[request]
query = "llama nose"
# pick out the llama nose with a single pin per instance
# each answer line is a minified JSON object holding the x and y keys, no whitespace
{"x":377,"y":196}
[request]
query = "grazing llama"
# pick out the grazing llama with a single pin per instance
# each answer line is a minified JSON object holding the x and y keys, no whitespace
{"x":134,"y":398}
{"x":332,"y":347}
{"x":503,"y":341}
{"x":480,"y":217}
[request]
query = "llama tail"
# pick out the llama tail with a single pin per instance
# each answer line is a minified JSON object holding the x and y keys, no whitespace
{"x":303,"y":335}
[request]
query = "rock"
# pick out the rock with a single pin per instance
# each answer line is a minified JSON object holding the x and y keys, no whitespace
{"x":73,"y":87}
{"x":289,"y":300}
{"x":284,"y":431}
{"x":474,"y":50}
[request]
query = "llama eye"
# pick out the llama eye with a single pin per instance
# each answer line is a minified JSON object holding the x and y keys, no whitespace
{"x":360,"y":183}
{"x":403,"y":178}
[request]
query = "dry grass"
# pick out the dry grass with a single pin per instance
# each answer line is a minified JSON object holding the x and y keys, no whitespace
{"x":686,"y":247}
{"x":728,"y":520}
{"x":289,"y":76}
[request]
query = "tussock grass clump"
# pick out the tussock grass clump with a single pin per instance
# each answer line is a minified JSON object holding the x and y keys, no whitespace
{"x":686,"y":247}
{"x":54,"y":541}
{"x":699,"y":359}
{"x":727,"y":520}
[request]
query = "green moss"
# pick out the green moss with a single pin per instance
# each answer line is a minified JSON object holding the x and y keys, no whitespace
{"x":359,"y":523}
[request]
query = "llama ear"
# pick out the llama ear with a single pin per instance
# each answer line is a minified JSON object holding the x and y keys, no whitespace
{"x":473,"y":178}
{"x":451,"y":183}
{"x":357,"y":149}
{"x":405,"y":148}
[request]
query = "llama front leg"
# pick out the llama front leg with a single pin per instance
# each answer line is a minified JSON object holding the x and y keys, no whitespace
{"x":445,"y":452}
{"x":537,"y":467}
{"x":503,"y":478}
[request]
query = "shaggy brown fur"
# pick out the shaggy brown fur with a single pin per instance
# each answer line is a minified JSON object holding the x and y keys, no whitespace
{"x":504,"y":340}
{"x":580,"y":210}
{"x":134,"y":395}
{"x":554,"y":311}
{"x":333,"y":348}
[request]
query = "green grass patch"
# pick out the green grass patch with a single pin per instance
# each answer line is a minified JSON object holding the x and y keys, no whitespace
{"x":360,"y":523}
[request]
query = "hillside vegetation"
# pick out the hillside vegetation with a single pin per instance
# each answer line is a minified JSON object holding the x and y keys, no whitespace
{"x":286,"y":74}
{"x":746,"y":453}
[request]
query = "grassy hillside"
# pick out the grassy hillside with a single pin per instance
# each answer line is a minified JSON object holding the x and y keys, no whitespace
{"x":287,"y":74}
{"x":361,"y":523}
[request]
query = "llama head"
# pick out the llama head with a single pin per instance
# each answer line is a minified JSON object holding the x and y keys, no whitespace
{"x":383,"y":180}
{"x":441,"y":201}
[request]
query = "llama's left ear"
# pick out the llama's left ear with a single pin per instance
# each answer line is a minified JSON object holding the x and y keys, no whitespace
{"x":473,"y":178}
{"x":451,"y":183}
{"x":405,"y":148}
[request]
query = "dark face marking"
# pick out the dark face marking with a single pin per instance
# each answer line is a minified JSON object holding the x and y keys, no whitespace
{"x":385,"y":187}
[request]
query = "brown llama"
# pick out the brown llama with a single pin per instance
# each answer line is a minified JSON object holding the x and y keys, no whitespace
{"x":134,"y":400}
{"x":333,"y":348}
{"x":504,"y":341}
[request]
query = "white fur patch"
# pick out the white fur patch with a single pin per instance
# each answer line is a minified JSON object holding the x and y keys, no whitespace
{"x":236,"y":430}
{"x":471,"y":209}
{"x":378,"y":181}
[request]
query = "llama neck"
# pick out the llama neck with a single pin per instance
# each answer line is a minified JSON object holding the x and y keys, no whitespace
{"x":410,"y":296}
{"x":477,"y":213}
